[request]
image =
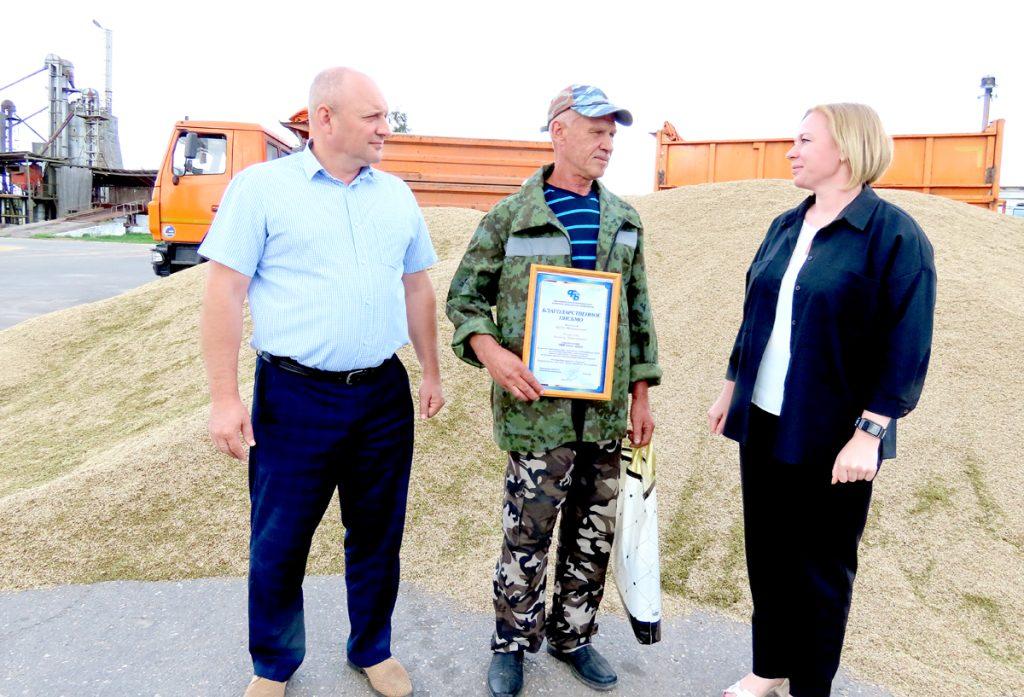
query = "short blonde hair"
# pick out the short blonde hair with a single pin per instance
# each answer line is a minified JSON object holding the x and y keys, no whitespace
{"x":861,"y":138}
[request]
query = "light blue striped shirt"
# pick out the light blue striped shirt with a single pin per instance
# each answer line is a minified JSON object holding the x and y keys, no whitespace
{"x":326,"y":259}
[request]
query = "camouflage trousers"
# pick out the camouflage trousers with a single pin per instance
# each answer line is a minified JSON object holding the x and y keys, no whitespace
{"x":582,"y":481}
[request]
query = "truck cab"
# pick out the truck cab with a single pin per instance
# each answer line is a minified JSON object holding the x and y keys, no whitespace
{"x":200,"y":160}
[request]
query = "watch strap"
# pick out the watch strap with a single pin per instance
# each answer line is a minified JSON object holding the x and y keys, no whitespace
{"x":870,"y":427}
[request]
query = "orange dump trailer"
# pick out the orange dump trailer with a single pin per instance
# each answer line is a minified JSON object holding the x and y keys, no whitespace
{"x":443,"y":171}
{"x":466,"y":172}
{"x":960,"y":166}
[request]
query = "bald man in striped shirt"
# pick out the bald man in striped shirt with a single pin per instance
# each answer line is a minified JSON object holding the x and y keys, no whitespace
{"x":333,"y":256}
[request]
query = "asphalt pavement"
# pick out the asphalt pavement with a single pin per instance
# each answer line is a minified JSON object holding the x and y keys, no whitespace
{"x":41,"y":275}
{"x":189,"y":638}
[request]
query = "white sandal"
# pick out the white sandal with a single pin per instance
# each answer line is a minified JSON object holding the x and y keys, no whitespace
{"x":736,"y":691}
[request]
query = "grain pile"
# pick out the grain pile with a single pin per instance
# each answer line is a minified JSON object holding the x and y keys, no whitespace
{"x":106,"y":473}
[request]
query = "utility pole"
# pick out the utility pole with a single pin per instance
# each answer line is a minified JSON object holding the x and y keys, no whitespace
{"x":988,"y":83}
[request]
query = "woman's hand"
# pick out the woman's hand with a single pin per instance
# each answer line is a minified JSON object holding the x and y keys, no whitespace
{"x":858,"y":460}
{"x":720,"y":409}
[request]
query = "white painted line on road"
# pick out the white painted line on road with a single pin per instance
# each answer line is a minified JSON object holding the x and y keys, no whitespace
{"x":69,"y":254}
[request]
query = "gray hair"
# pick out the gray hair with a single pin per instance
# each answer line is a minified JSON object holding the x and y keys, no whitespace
{"x":566,"y":118}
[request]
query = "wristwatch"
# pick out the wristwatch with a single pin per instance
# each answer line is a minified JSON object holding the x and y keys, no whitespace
{"x":870,"y":427}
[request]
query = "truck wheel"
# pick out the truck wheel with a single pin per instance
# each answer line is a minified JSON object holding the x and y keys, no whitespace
{"x":162,"y":269}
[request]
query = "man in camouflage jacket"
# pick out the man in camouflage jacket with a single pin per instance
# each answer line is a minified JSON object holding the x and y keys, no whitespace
{"x":563,"y":453}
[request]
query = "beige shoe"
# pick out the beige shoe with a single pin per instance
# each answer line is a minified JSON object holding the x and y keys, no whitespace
{"x":262,"y":687}
{"x":388,"y":678}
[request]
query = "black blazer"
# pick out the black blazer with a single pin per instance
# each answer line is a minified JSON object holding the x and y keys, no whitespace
{"x":863,"y":310}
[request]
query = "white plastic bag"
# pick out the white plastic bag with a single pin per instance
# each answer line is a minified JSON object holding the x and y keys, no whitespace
{"x":635,"y":552}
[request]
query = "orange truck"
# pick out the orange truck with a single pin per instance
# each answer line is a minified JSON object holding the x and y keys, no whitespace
{"x":200,"y":160}
{"x":961,"y":166}
{"x":202,"y":156}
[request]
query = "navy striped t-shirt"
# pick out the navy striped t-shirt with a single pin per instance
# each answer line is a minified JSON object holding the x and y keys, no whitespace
{"x":581,"y":218}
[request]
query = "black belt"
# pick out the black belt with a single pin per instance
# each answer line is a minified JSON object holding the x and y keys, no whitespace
{"x":349,"y":377}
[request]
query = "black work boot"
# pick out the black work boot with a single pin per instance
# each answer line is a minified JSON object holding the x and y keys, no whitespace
{"x":589,"y":667}
{"x":505,"y":676}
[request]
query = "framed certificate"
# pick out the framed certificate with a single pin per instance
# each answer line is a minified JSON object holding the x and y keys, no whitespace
{"x":572,"y":319}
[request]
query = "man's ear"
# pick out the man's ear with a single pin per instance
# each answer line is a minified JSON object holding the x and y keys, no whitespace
{"x":323,"y":117}
{"x":557,"y":130}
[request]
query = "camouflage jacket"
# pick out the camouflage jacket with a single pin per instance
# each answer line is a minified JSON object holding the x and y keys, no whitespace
{"x":495,"y":271}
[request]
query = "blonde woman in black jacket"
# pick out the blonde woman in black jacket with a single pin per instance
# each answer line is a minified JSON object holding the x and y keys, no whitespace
{"x":832,"y":350}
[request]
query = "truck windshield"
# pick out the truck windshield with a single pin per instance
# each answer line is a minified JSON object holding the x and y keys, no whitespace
{"x":211,"y":157}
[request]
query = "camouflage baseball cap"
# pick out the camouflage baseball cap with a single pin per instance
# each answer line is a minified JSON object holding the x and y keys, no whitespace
{"x":587,"y":100}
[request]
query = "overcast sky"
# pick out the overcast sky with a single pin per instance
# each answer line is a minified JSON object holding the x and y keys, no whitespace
{"x":716,"y":70}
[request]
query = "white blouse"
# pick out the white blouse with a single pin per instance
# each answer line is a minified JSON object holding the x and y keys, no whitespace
{"x":771,"y":374}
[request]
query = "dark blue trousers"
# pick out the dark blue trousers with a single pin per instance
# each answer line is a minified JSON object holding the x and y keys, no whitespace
{"x":801,"y":534}
{"x":314,"y":437}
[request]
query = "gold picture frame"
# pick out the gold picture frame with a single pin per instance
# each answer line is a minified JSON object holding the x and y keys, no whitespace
{"x":554,"y":322}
